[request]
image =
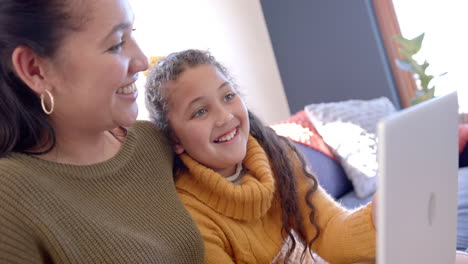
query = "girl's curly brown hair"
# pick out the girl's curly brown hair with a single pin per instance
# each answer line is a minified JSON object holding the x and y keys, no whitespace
{"x":169,"y":69}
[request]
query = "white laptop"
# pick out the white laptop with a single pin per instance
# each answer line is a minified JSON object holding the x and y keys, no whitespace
{"x":417,"y":183}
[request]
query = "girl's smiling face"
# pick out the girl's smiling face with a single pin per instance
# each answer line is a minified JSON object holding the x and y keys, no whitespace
{"x":209,"y":120}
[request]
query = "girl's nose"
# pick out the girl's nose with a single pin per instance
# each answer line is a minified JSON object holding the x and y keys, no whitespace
{"x":224,"y":117}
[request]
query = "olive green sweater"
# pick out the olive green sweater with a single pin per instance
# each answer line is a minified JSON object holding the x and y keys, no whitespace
{"x":124,"y":210}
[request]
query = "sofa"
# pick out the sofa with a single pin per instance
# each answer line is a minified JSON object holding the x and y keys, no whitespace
{"x":462,"y":227}
{"x":328,"y":168}
{"x":320,"y":159}
{"x":338,"y":141}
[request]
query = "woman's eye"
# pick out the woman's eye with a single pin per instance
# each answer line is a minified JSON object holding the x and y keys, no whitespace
{"x":199,"y":112}
{"x":229,"y":97}
{"x":117,"y":47}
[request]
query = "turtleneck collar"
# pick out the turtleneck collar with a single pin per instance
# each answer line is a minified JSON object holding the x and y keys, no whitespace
{"x":249,"y":200}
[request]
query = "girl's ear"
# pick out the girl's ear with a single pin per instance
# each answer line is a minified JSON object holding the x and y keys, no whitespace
{"x":178,"y":148}
{"x":29,"y":68}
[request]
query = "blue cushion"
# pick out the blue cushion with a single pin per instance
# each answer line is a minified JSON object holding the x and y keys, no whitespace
{"x":462,"y":227}
{"x":463,"y":159}
{"x":329,"y":172}
{"x":352,"y":201}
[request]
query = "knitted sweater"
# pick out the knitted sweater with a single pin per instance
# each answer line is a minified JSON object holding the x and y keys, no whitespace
{"x":242,"y":223}
{"x":124,"y":210}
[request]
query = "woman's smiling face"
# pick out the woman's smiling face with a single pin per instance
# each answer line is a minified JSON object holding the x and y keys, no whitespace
{"x":93,"y":74}
{"x":209,"y":119}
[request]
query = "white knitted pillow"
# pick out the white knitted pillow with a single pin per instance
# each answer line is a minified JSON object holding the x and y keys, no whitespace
{"x":349,"y":128}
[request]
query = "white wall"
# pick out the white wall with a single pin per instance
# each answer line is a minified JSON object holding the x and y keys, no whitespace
{"x":233,"y":30}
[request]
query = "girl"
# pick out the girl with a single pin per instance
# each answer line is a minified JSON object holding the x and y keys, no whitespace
{"x":248,"y":189}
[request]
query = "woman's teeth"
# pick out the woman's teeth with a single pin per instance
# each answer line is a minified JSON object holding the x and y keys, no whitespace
{"x":226,"y":137}
{"x":127,"y":90}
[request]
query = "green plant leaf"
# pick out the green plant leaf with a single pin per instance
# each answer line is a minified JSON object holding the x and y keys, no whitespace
{"x":411,"y":46}
{"x":430,"y":92}
{"x":418,"y":69}
{"x":408,"y":48}
{"x":422,"y":96}
{"x":405,"y":44}
{"x":416,"y":100}
{"x":425,"y":79}
{"x":406,"y":54}
{"x":425,"y":65}
{"x":417,"y":43}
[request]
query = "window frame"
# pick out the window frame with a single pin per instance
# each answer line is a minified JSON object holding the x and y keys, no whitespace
{"x":389,"y":27}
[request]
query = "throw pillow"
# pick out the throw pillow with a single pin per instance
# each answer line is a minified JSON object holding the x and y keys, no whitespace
{"x":329,"y":172}
{"x":298,"y":128}
{"x":349,"y":128}
{"x":463,"y":137}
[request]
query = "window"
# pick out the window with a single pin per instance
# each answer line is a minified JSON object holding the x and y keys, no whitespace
{"x":444,"y":45}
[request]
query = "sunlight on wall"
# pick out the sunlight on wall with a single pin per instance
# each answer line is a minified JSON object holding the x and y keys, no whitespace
{"x":233,"y":30}
{"x":445,"y":43}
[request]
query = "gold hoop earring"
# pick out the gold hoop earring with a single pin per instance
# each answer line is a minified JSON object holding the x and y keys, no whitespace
{"x":51,"y":103}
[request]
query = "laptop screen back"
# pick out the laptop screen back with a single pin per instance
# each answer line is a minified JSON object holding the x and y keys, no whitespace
{"x":417,"y":183}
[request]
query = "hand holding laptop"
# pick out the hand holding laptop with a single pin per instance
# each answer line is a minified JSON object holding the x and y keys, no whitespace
{"x":374,"y":210}
{"x":462,"y":258}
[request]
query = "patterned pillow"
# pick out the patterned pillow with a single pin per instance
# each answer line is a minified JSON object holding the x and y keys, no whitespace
{"x":298,"y":128}
{"x":349,"y":128}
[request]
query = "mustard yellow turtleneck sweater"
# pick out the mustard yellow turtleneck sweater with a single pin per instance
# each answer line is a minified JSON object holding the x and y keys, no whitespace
{"x":242,"y":223}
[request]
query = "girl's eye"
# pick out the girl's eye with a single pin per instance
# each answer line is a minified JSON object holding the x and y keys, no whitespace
{"x":199,"y":112}
{"x":229,"y":96}
{"x":117,"y":47}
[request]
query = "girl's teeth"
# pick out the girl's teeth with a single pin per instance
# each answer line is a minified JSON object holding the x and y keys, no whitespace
{"x":127,"y":90}
{"x":227,"y":137}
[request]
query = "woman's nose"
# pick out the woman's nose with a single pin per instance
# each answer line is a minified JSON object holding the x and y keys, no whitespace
{"x":139,"y":61}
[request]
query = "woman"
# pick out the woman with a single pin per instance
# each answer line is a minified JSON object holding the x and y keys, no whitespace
{"x":77,"y":186}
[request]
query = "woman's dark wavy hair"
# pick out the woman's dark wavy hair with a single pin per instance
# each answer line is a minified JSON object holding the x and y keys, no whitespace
{"x":169,"y":69}
{"x":39,"y":25}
